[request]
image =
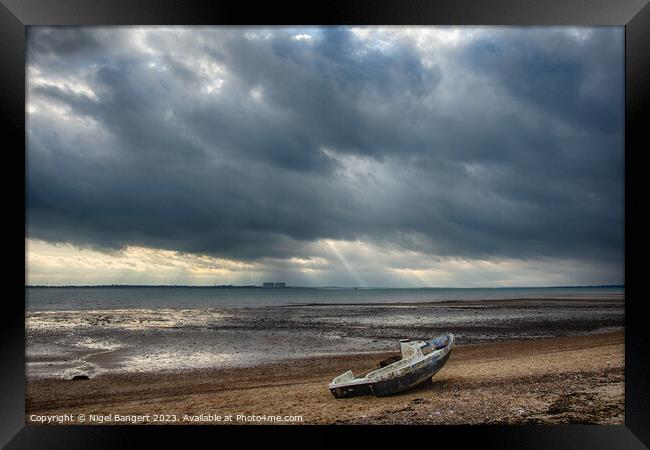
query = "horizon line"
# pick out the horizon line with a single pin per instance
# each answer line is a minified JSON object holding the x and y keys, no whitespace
{"x":311,"y":287}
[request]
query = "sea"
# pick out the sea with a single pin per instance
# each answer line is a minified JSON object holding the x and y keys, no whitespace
{"x":84,"y":298}
{"x":95,"y":331}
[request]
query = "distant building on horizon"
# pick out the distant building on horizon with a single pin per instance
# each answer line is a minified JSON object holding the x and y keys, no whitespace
{"x":274,"y":284}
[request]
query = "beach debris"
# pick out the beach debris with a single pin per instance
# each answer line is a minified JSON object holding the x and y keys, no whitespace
{"x":417,"y":363}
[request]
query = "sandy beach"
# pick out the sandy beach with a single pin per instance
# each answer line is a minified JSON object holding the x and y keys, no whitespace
{"x":574,"y":379}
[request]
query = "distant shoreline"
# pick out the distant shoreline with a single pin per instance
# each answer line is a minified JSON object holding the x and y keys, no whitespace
{"x":470,"y":302}
{"x":228,"y":286}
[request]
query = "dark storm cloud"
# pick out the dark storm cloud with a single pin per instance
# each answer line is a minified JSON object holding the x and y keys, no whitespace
{"x":575,"y":81}
{"x":63,"y":42}
{"x":249,"y":143}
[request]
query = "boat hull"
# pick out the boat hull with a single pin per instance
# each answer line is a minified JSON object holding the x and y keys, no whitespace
{"x":409,"y":380}
{"x":399,"y":379}
{"x":352,"y":391}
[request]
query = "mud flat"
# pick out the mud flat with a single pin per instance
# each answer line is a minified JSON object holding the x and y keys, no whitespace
{"x":571,"y":379}
{"x":67,"y":343}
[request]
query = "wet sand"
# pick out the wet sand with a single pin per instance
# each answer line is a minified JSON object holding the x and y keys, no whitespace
{"x":62,"y":344}
{"x":573,"y":379}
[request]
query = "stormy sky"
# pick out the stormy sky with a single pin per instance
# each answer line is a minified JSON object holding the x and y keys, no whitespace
{"x":325,"y":156}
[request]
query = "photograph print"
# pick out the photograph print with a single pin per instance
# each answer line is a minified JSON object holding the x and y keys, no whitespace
{"x":324,"y":225}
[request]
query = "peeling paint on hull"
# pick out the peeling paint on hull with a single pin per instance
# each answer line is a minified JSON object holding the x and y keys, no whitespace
{"x":420,"y":361}
{"x":352,"y":391}
{"x":415,"y":378}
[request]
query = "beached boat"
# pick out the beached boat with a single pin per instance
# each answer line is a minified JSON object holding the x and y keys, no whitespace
{"x":419,"y":361}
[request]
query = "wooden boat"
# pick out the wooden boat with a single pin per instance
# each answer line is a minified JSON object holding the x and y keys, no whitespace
{"x":420,"y":360}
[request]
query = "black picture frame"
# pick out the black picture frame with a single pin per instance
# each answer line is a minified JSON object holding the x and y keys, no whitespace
{"x":634,"y":15}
